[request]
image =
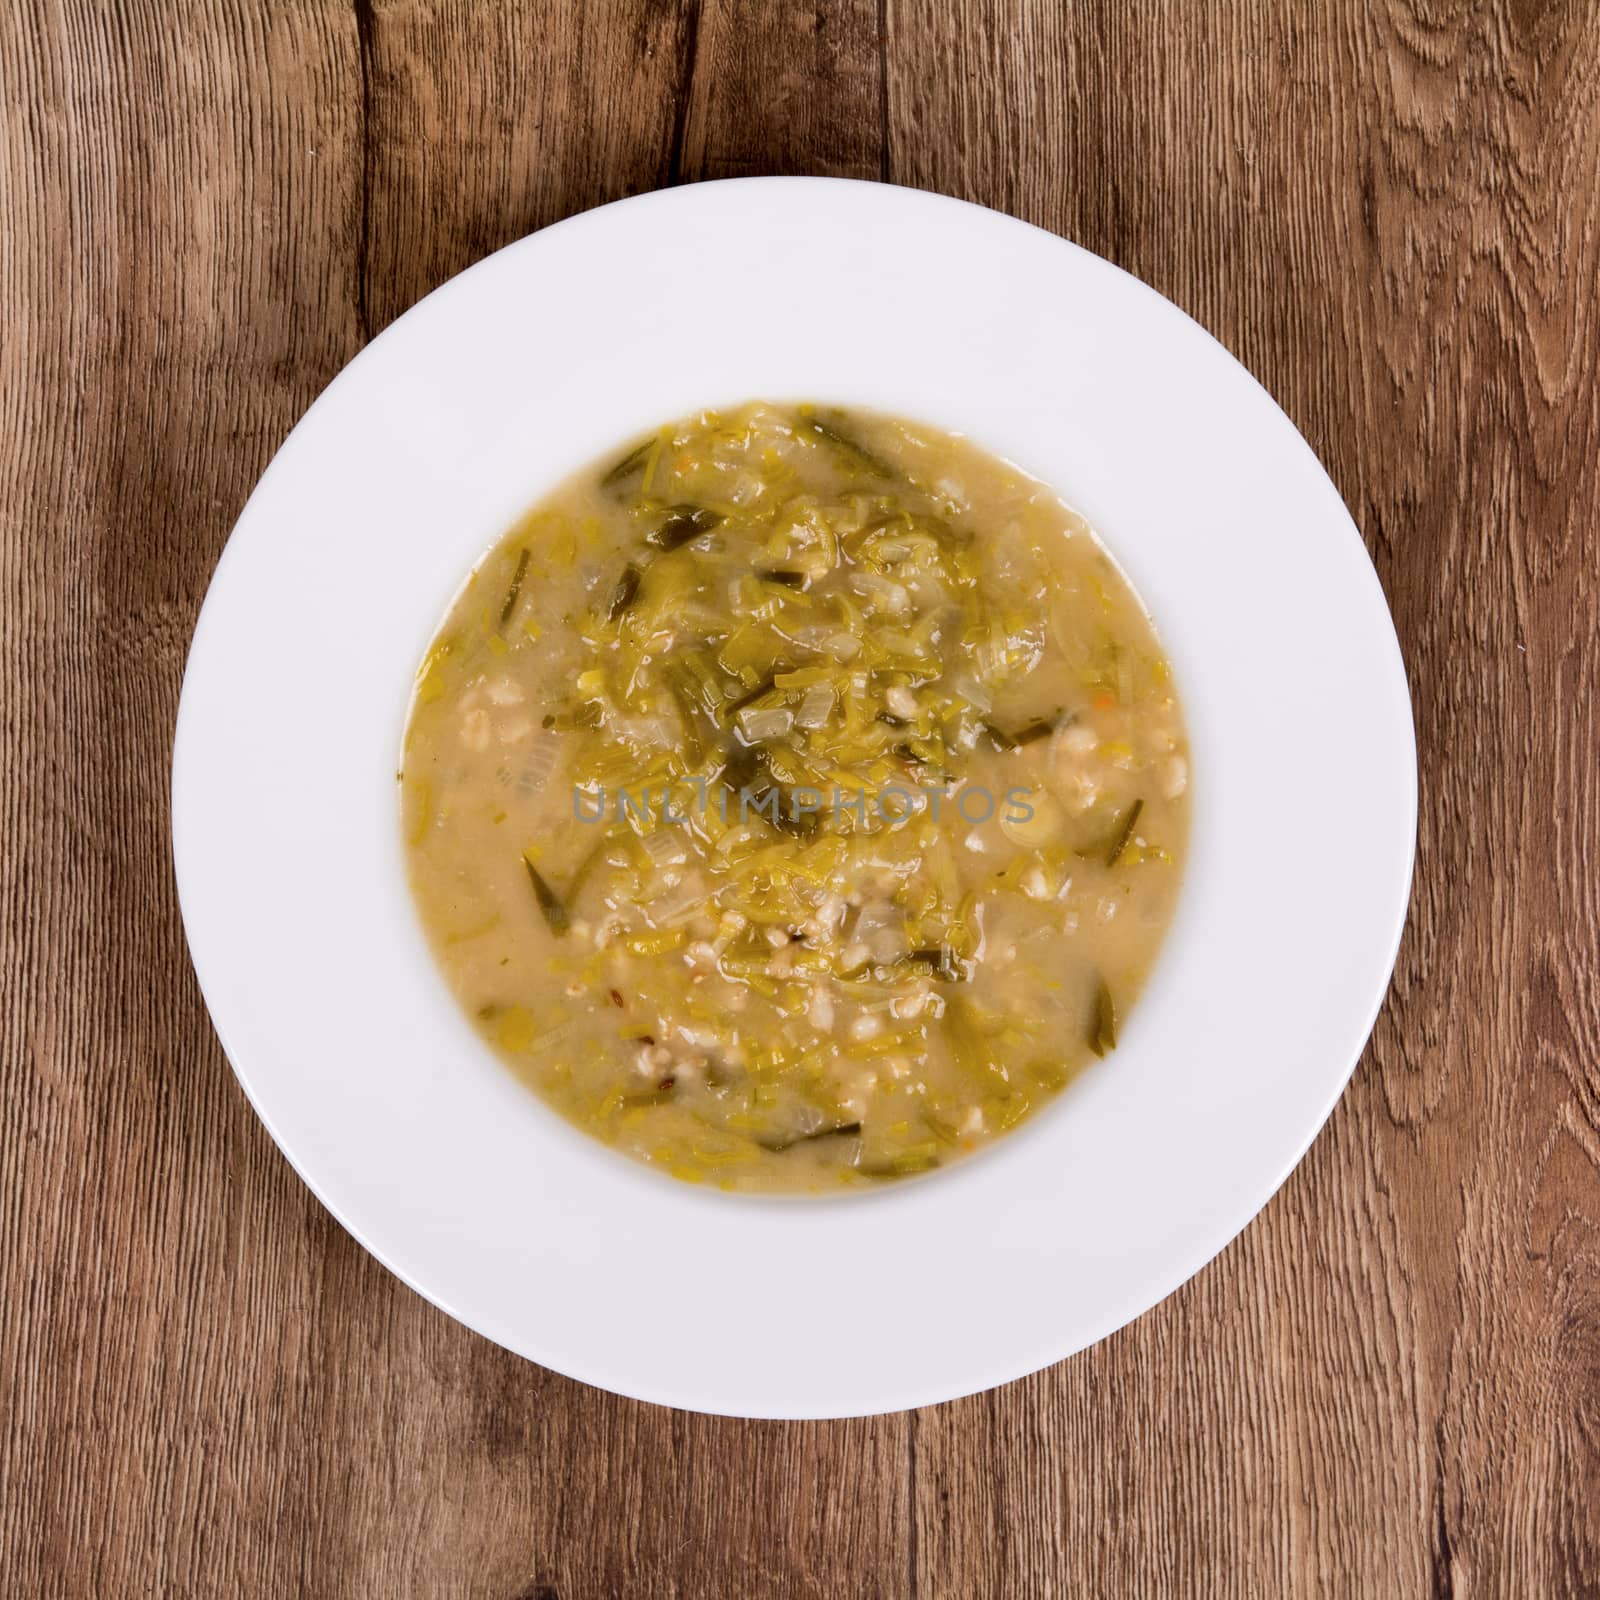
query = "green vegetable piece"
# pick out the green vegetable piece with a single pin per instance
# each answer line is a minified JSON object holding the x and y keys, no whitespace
{"x":514,"y":593}
{"x":749,"y":697}
{"x":650,"y":1097}
{"x":740,"y":765}
{"x":1103,"y":1022}
{"x":1002,"y":741}
{"x":683,"y":696}
{"x":786,"y":818}
{"x":680,"y":525}
{"x":555,"y":914}
{"x":919,"y":1158}
{"x":1124,"y":833}
{"x":825,"y":433}
{"x":585,"y":867}
{"x":625,"y":593}
{"x":589,"y":714}
{"x":631,"y":463}
{"x":749,"y":779}
{"x":747,"y":775}
{"x":789,"y":580}
{"x":838,"y":1130}
{"x":920,"y":755}
{"x":943,"y":962}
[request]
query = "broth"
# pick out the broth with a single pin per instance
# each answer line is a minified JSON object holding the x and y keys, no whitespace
{"x":796,"y":799}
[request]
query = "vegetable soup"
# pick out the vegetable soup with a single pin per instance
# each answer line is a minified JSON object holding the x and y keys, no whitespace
{"x":796,"y":799}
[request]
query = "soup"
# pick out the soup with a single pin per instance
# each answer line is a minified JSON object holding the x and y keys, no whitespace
{"x":796,"y":799}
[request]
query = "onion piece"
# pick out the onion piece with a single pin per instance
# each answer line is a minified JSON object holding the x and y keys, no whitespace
{"x":1034,"y":832}
{"x":665,"y":847}
{"x":760,"y":723}
{"x":972,"y":692}
{"x":536,"y":771}
{"x":652,"y":732}
{"x":679,"y":903}
{"x":816,"y":707}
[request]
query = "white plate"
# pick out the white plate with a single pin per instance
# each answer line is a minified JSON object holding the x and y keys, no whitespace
{"x":569,"y":344}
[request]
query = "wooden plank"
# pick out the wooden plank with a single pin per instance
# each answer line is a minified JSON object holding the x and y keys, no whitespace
{"x":1388,"y":1385}
{"x":488,"y":122}
{"x":783,"y":89}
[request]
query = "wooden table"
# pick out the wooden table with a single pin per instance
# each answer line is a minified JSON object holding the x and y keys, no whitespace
{"x":1390,"y":1385}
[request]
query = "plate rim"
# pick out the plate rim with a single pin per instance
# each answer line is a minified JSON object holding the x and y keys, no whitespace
{"x":183,"y":752}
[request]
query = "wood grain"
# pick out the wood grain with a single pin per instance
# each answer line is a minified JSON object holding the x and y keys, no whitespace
{"x":1390,"y":1385}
